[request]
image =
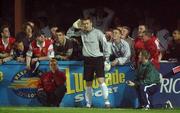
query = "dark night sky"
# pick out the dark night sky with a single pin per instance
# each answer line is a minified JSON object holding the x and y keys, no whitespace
{"x":64,"y":12}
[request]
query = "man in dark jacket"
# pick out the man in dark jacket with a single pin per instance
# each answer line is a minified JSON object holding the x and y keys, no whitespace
{"x":52,"y":86}
{"x":147,"y":79}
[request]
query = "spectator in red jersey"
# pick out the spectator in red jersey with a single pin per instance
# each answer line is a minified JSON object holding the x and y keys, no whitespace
{"x":52,"y":86}
{"x":151,"y":47}
{"x":6,"y":45}
{"x":138,"y":42}
{"x":39,"y":50}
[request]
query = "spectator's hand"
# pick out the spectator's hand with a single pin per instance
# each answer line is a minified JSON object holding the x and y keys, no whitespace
{"x":40,"y":89}
{"x":20,"y":59}
{"x":130,"y":83}
{"x":61,"y":57}
{"x":5,"y":55}
{"x":58,"y":56}
{"x":41,"y":94}
{"x":7,"y":59}
{"x":34,"y":60}
{"x":64,"y":57}
{"x":114,"y":63}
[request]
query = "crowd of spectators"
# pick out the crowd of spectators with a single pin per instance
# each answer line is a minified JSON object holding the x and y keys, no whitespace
{"x":124,"y":42}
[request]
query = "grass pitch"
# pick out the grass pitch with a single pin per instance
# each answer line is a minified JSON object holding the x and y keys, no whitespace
{"x":81,"y":110}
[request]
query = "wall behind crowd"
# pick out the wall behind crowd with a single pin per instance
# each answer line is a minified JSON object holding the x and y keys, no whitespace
{"x":65,"y":12}
{"x":7,"y":14}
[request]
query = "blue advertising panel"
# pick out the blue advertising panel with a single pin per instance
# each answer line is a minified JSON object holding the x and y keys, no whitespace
{"x":18,"y":86}
{"x":170,"y":86}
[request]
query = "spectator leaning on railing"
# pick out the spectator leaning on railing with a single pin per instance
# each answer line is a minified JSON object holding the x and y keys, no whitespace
{"x":120,"y":49}
{"x":19,"y":52}
{"x":63,"y":47}
{"x":151,"y":47}
{"x":39,"y":49}
{"x":6,"y":45}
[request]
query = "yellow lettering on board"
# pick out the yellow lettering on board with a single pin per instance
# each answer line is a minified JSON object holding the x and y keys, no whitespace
{"x":78,"y":81}
{"x":68,"y":82}
{"x":1,"y":76}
